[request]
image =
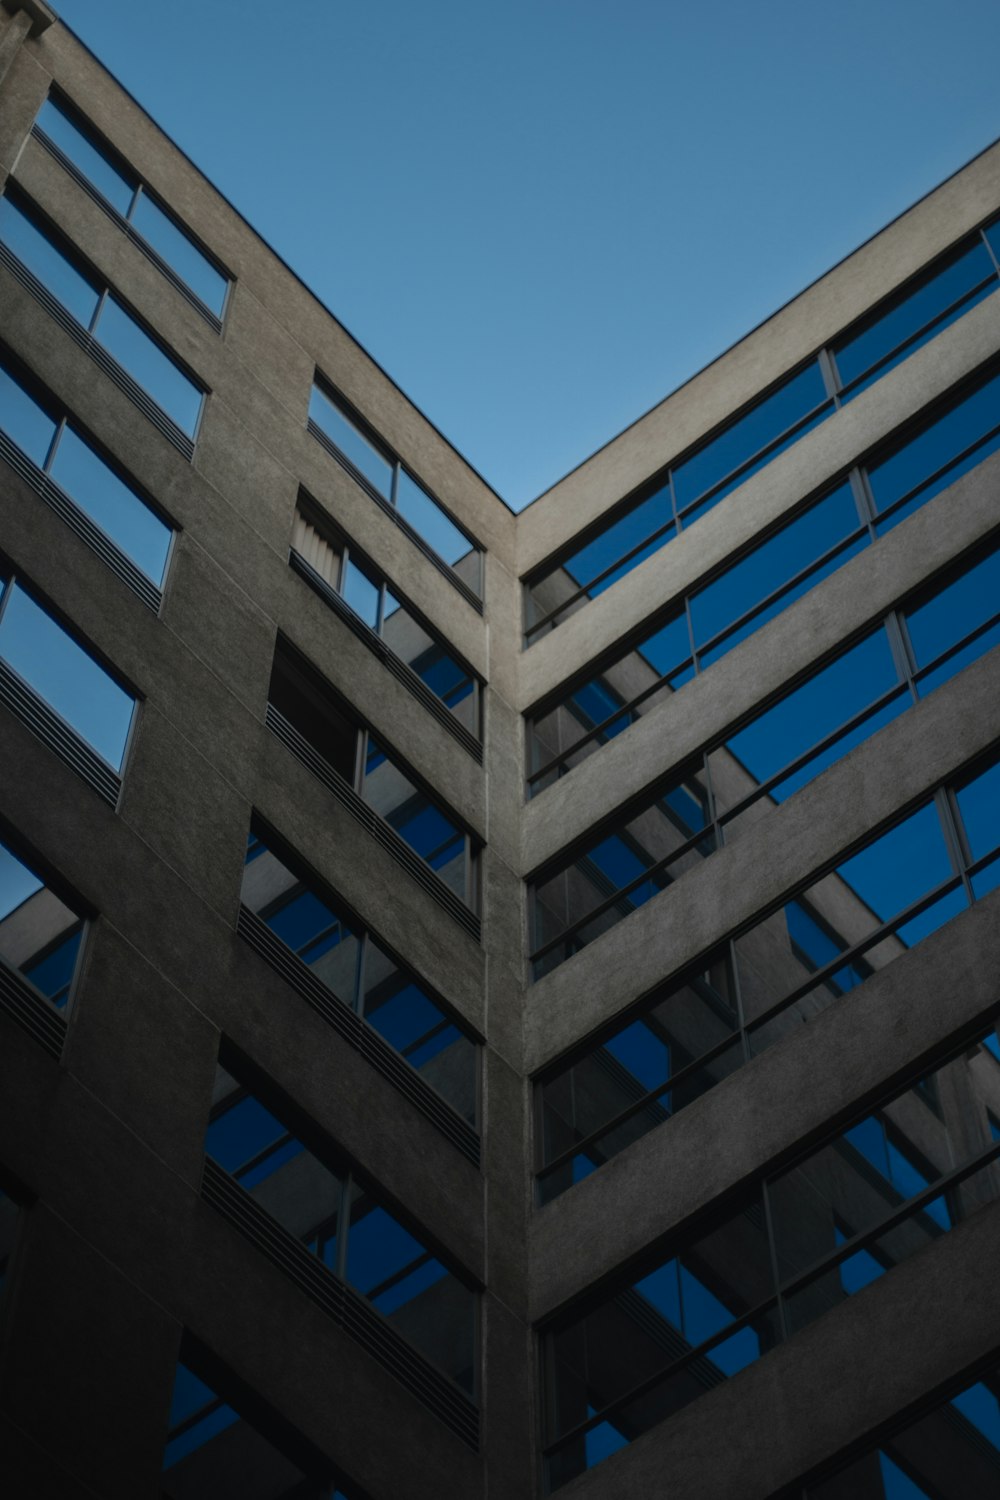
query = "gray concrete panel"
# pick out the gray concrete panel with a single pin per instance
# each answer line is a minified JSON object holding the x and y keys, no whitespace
{"x":858,"y":594}
{"x":818,"y":459}
{"x":796,"y":1091}
{"x":882,"y":777}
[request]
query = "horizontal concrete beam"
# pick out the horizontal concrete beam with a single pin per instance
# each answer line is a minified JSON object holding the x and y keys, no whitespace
{"x":798,"y":1090}
{"x":702,"y":711}
{"x":887,"y":774}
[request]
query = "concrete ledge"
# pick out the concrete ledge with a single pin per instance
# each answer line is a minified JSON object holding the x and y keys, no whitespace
{"x":797,"y":1091}
{"x":887,"y":774}
{"x":845,"y":1375}
{"x":856,"y":596}
{"x":39,"y":13}
{"x":804,"y":469}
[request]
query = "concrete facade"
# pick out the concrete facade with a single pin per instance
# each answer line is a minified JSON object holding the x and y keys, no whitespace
{"x":119,"y":1252}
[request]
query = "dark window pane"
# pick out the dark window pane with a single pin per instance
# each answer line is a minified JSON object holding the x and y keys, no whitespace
{"x":109,"y":501}
{"x":85,"y":154}
{"x":979,"y":805}
{"x":299,"y":695}
{"x":415,"y":818}
{"x":603,"y":1099}
{"x":24,"y":421}
{"x":179,"y":252}
{"x":847,"y":907}
{"x":913,"y":311}
{"x":621,"y":870}
{"x":65,"y":676}
{"x":39,"y":934}
{"x":953,"y":613}
{"x":351,"y":441}
{"x":76,"y":291}
{"x":761,"y":425}
{"x":409,"y":1020}
{"x":771,"y":566}
{"x":809,"y":714}
{"x":146,"y":362}
{"x":938,"y":445}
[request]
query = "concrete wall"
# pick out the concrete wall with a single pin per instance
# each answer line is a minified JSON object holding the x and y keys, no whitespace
{"x":118,"y":1252}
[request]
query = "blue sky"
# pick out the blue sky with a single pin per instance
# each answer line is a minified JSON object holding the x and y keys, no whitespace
{"x":542,"y":216}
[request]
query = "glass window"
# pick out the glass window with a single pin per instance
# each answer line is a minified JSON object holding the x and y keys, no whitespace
{"x":640,"y":1354}
{"x":147,"y":363}
{"x":351,"y":441}
{"x":959,"y":623}
{"x":417,"y":819}
{"x":86,"y":478}
{"x":911,"y":319}
{"x":346,"y":1225}
{"x":64,"y":674}
{"x":756,"y":433}
{"x":807,"y":730}
{"x":169,"y":240}
{"x":947,"y":445}
{"x":594,"y":712}
{"x":322,"y":724}
{"x":802,"y":1242}
{"x":682,"y":1042}
{"x":119,"y":186}
{"x":620,"y":871}
{"x":40,"y":936}
{"x":85,"y":153}
{"x":782,"y":568}
{"x":411,"y":502}
{"x":882,"y":900}
{"x":362,"y":975}
{"x":97,"y":310}
{"x":77,"y":292}
{"x":370,"y":596}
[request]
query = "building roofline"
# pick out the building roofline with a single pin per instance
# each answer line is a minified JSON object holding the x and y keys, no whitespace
{"x":763,"y":322}
{"x":418,"y":409}
{"x":282,"y":261}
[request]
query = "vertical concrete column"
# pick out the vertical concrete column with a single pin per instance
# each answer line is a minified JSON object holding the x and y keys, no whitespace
{"x":509,"y":1398}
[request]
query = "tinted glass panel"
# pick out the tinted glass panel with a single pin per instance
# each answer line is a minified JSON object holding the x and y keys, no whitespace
{"x":845,"y":908}
{"x":362,"y":975}
{"x":620,"y":871}
{"x":936,"y":455}
{"x":65,"y":676}
{"x":24,"y":421}
{"x":39,"y":934}
{"x":416,"y":819}
{"x":85,"y":154}
{"x":808,"y":717}
{"x":682,"y":1043}
{"x":914,"y":311}
{"x":146,"y":362}
{"x":177,"y":249}
{"x":362,"y":594}
{"x":952,"y":614}
{"x":111,"y":503}
{"x":76,"y":291}
{"x":349,"y":1229}
{"x":429,"y":520}
{"x":759,"y":427}
{"x":771,"y":567}
{"x":352,"y":443}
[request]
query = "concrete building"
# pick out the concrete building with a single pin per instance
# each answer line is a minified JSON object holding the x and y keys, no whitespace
{"x":488,"y":1004}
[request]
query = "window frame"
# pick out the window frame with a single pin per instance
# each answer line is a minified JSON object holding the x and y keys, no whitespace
{"x":140,"y":187}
